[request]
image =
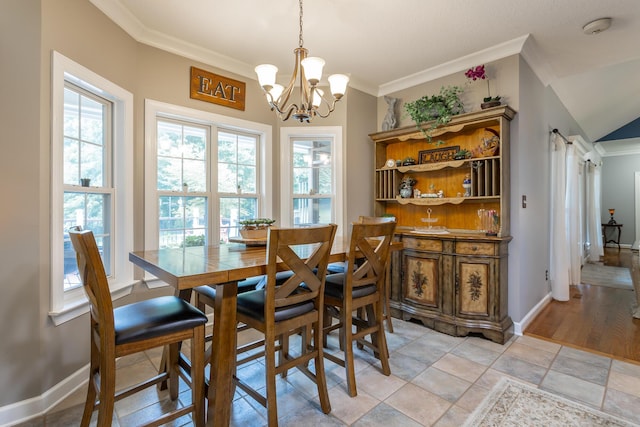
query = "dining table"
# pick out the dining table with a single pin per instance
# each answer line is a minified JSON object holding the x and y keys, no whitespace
{"x":222,"y":267}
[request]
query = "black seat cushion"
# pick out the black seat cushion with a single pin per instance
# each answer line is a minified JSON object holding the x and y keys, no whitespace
{"x":252,"y":304}
{"x":337,"y":267}
{"x":155,"y":317}
{"x":334,"y":287}
{"x":246,"y":285}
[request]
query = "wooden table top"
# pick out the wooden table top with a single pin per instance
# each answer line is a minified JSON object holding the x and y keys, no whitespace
{"x":186,"y":268}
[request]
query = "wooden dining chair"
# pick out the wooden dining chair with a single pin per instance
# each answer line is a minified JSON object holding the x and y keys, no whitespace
{"x":295,"y":305}
{"x":340,"y":267}
{"x":346,"y":294}
{"x":133,"y":328}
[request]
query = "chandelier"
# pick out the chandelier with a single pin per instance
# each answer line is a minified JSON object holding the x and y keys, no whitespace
{"x":312,"y":101}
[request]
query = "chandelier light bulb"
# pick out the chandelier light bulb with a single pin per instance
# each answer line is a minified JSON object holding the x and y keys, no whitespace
{"x":338,"y":84}
{"x":317,"y":97}
{"x":266,"y":74}
{"x":313,"y":69}
{"x":276,"y":91}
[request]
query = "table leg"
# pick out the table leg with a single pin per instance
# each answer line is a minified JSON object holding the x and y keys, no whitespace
{"x":223,"y":355}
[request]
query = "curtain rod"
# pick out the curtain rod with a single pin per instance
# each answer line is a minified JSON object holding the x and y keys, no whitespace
{"x":557,"y":132}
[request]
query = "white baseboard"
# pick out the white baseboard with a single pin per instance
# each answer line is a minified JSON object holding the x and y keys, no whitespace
{"x":20,"y":412}
{"x":519,"y":327}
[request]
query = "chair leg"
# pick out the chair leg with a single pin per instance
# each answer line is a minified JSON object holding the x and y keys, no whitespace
{"x":270,"y":364}
{"x":321,"y":379}
{"x":283,"y":354}
{"x":378,"y":339}
{"x":174,"y":374}
{"x":107,"y":389}
{"x":197,"y":372}
{"x":346,"y":341}
{"x":90,"y":402}
{"x":387,"y":299}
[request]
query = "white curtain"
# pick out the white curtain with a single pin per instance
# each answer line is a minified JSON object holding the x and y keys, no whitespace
{"x":565,"y":228}
{"x":594,"y":229}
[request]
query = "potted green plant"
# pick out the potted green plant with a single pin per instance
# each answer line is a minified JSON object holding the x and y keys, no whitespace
{"x":462,"y":154}
{"x":437,"y":109}
{"x":255,"y":228}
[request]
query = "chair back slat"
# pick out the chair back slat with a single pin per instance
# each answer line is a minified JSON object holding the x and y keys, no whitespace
{"x":93,"y":276}
{"x":288,"y":247}
{"x":369,"y":250}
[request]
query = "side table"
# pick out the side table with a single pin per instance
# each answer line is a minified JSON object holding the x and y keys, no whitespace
{"x":605,"y":227}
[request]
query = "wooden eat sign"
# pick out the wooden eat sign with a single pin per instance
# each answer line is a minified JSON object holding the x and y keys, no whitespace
{"x":216,"y":89}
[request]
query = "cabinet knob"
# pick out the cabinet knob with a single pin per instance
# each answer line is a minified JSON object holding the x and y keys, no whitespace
{"x":474,"y":248}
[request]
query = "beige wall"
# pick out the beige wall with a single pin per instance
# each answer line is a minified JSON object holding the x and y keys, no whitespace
{"x":22,"y":246}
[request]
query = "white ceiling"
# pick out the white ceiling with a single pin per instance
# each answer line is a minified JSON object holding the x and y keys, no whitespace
{"x":387,"y":45}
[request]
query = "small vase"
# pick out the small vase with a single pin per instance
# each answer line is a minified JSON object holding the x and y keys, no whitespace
{"x":489,"y":104}
{"x":406,"y":192}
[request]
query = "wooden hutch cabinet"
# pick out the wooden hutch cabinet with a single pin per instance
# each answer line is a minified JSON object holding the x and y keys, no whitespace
{"x":452,"y":272}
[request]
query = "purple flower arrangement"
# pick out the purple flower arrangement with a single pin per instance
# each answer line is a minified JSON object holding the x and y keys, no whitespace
{"x":479,"y":73}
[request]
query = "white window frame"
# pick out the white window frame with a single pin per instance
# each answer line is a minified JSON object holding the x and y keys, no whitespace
{"x":68,"y":305}
{"x":286,"y":176}
{"x":156,"y":109}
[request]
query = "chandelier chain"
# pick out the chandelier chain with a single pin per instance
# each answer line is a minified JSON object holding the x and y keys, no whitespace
{"x":300,"y":41}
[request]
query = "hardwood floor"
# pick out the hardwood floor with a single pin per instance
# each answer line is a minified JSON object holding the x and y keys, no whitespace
{"x":596,"y":318}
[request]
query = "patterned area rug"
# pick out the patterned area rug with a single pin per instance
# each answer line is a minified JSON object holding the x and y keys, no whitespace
{"x":514,"y":404}
{"x":606,"y":275}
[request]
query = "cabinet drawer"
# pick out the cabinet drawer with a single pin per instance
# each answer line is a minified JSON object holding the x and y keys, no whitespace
{"x":475,"y":248}
{"x":422,"y":244}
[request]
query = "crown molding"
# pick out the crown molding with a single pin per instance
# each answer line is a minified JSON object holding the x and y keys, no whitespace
{"x":130,"y":24}
{"x":620,"y":147}
{"x":494,"y":53}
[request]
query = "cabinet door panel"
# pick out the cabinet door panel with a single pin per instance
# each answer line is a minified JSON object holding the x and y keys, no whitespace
{"x":474,"y":278}
{"x":422,"y":276}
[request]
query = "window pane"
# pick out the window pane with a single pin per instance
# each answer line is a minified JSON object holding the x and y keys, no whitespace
{"x":312,"y":167}
{"x":247,"y":150}
{"x":169,"y":139}
{"x":91,"y":121}
{"x":308,"y":211}
{"x":237,"y":163}
{"x":182,"y":157}
{"x":71,"y":161}
{"x":91,"y":166}
{"x":195,"y":175}
{"x":91,"y":212}
{"x":169,"y":174}
{"x":324,"y":181}
{"x":183,"y":221}
{"x":232,"y":211}
{"x":84,"y":137}
{"x":71,"y":113}
{"x":227,"y":178}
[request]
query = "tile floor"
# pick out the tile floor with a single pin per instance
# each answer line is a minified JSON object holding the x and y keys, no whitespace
{"x":436,"y":380}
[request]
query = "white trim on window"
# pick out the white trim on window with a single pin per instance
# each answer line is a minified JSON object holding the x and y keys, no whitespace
{"x":155,"y":109}
{"x":65,"y":306}
{"x":286,"y":173}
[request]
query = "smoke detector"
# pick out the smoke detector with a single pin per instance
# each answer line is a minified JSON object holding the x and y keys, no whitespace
{"x":597,"y":26}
